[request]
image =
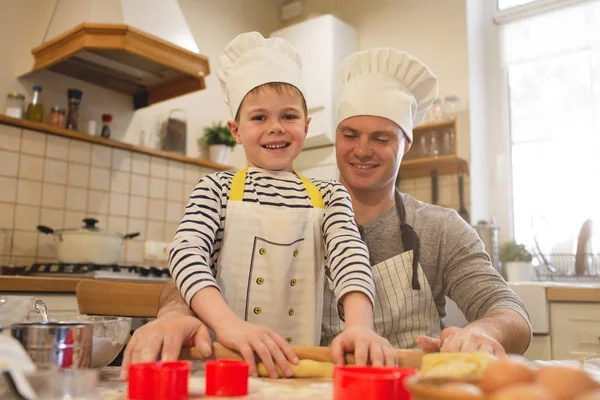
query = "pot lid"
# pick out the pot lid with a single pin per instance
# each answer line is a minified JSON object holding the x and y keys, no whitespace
{"x":89,"y":228}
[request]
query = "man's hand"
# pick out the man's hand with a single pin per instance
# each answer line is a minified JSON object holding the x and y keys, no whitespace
{"x":460,"y":340}
{"x":163,"y":338}
{"x":247,"y":339}
{"x":366,"y":345}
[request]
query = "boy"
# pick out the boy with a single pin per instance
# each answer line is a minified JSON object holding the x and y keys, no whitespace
{"x":249,"y":254}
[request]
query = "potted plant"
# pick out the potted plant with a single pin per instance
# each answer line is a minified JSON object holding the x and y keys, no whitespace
{"x":219,"y":141}
{"x":516,"y":261}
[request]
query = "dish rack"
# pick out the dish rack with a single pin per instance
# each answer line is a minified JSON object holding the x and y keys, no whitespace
{"x":561,"y":267}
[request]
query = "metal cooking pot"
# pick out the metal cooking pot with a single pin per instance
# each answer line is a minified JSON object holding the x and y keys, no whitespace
{"x":87,"y":245}
{"x":56,"y":344}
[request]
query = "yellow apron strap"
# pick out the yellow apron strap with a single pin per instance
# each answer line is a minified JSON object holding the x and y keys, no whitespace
{"x":313,"y":192}
{"x":236,"y":193}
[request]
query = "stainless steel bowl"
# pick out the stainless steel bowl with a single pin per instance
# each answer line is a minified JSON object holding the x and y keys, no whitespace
{"x":110,"y":336}
{"x":56,"y":344}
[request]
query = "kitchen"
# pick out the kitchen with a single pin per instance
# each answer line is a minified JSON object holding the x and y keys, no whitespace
{"x":55,"y":178}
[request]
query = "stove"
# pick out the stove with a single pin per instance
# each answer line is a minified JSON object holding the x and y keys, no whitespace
{"x":126,"y":272}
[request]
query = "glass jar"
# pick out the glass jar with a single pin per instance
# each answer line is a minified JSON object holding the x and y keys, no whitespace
{"x":435,"y":112}
{"x":58,"y":117}
{"x":451,"y":107}
{"x":15,"y":104}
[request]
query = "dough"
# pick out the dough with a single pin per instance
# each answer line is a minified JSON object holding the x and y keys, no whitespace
{"x":304,"y":369}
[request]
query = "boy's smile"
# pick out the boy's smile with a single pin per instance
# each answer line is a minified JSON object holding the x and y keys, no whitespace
{"x":271,"y":128}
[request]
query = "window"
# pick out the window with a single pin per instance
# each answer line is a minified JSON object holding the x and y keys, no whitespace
{"x":504,"y":4}
{"x":553,"y":66}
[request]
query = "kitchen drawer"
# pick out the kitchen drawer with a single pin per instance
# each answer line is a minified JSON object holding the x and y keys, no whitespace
{"x":575,"y":330}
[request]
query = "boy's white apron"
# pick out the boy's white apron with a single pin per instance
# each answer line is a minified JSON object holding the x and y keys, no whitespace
{"x":271,"y":267}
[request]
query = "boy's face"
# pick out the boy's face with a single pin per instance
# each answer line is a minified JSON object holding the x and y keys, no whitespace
{"x":272,"y":127}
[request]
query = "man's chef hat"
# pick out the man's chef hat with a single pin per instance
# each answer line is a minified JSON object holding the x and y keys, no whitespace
{"x":386,"y":83}
{"x":250,"y":61}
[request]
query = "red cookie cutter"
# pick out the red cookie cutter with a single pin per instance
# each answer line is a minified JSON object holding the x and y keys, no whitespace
{"x":226,"y":378}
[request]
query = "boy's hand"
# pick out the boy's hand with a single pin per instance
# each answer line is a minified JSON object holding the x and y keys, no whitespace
{"x":366,"y":345}
{"x":249,"y":338}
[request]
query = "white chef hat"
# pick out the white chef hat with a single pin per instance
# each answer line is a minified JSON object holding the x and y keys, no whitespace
{"x":386,"y":83}
{"x":250,"y":61}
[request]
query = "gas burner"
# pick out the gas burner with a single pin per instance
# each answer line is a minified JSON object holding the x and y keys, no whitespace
{"x":98,"y":271}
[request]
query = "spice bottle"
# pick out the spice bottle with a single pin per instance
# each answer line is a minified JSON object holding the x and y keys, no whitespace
{"x":106,"y":120}
{"x":74,"y":96}
{"x":58,"y":117}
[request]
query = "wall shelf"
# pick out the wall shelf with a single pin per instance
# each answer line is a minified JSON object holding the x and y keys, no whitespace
{"x":53,"y":130}
{"x":421,"y":167}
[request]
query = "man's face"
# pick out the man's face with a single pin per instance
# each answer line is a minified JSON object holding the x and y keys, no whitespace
{"x":369,"y":150}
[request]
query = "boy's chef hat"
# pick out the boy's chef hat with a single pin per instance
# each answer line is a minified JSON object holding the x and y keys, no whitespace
{"x":386,"y":83}
{"x":250,"y":60}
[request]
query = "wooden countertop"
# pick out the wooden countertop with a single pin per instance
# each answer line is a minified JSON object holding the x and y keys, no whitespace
{"x":574,"y":293}
{"x":46,"y":284}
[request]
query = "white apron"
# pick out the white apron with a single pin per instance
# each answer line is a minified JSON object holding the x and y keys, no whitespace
{"x":271,"y":267}
{"x":401,"y":314}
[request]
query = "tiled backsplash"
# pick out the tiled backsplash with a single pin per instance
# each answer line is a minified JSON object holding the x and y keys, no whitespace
{"x":56,"y":181}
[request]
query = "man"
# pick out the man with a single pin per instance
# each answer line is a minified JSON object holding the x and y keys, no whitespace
{"x":419,"y":252}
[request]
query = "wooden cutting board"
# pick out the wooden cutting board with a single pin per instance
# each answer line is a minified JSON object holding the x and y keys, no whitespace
{"x":406,"y":358}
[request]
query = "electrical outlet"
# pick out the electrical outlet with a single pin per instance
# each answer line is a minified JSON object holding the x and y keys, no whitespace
{"x":155,"y":251}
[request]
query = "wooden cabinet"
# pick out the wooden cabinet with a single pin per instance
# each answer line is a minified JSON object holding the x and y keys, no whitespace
{"x":323,"y":43}
{"x":540,"y":348}
{"x":575,"y":330}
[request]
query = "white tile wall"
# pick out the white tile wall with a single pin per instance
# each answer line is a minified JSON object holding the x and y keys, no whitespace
{"x":10,"y":138}
{"x":55,"y":171}
{"x":56,"y":181}
{"x":9,"y":163}
{"x":33,"y":143}
{"x":79,"y":152}
{"x":7,"y":216}
{"x":57,"y":147}
{"x":31,"y":167}
{"x":8,"y":193}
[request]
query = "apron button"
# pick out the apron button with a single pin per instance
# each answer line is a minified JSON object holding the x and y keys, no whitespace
{"x":260,"y":281}
{"x":291,"y":312}
{"x":293,"y":282}
{"x":296,"y":253}
{"x":262,"y":251}
{"x":257,"y":310}
{"x":288,"y":339}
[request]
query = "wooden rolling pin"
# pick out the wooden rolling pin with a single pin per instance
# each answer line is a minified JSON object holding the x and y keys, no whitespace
{"x":406,"y":358}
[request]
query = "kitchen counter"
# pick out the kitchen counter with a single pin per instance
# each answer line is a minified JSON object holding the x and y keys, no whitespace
{"x":111,"y":388}
{"x":574,"y":293}
{"x":581,"y":292}
{"x":46,"y":284}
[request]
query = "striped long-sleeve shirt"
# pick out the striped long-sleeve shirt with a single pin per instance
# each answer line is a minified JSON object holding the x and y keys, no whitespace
{"x":194,"y":252}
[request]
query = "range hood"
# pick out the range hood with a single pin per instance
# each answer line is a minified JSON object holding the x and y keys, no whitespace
{"x":143,"y":48}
